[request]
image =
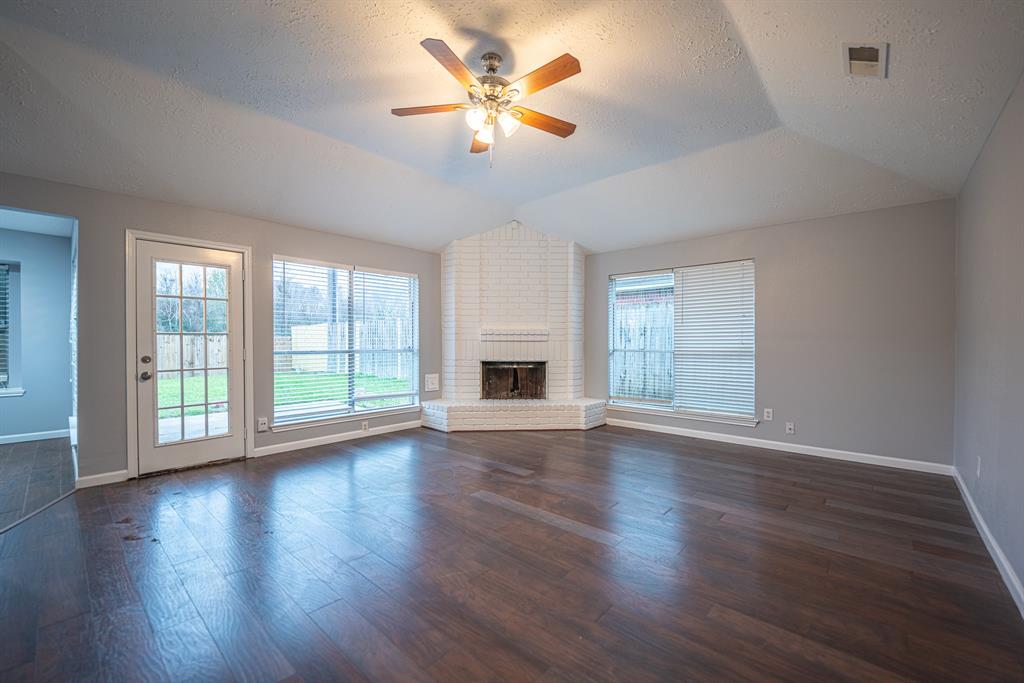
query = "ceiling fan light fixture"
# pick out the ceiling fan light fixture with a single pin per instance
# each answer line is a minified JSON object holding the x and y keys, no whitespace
{"x":509,"y":123}
{"x":476,"y":117}
{"x":486,"y":134}
{"x":491,"y":96}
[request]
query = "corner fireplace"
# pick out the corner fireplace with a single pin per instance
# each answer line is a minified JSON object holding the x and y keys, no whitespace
{"x":513,"y":379}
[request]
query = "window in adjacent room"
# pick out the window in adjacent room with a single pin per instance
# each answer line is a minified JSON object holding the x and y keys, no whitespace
{"x":346,"y":340}
{"x":9,"y":376}
{"x":702,"y":317}
{"x":6,"y":313}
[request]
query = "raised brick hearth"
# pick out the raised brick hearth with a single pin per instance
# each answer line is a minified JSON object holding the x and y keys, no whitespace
{"x":512,"y":294}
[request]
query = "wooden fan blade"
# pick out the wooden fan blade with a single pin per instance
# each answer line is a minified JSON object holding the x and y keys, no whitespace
{"x":477,"y":146}
{"x":548,"y":124}
{"x":432,"y":109}
{"x":549,"y":74}
{"x":440,"y":51}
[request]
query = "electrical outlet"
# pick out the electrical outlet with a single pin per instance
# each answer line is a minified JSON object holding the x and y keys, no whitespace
{"x":366,"y":426}
{"x":431,"y":382}
{"x":979,"y":467}
{"x":261,"y":424}
{"x":790,"y":428}
{"x":769,"y":414}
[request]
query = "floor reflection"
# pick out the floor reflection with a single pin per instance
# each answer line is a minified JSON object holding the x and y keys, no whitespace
{"x":33,"y":474}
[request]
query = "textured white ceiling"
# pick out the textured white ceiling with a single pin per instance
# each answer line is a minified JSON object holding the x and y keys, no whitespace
{"x":694,"y":117}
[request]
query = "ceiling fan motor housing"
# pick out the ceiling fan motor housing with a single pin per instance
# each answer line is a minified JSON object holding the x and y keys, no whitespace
{"x":491,"y":62}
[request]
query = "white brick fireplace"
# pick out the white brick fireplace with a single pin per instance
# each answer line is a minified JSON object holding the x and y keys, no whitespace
{"x":512,"y":294}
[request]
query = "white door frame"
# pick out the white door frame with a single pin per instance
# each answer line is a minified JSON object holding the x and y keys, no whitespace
{"x":131,"y":332}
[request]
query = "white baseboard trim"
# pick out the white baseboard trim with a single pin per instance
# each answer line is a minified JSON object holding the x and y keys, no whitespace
{"x":261,"y":451}
{"x":819,"y":451}
{"x":1010,"y":578}
{"x":101,"y":479}
{"x":33,"y":436}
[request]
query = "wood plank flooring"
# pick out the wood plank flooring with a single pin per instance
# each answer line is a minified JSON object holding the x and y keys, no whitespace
{"x":33,"y":474}
{"x":609,"y":555}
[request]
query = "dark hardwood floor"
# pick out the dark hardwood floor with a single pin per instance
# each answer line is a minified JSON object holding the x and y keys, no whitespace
{"x":32,"y":475}
{"x":609,"y":555}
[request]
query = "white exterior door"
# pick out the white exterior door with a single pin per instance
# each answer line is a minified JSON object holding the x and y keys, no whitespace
{"x":189,"y":364}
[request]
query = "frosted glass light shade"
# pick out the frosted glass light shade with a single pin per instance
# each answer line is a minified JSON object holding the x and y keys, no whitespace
{"x":486,"y":134}
{"x":509,"y":124}
{"x":476,"y":117}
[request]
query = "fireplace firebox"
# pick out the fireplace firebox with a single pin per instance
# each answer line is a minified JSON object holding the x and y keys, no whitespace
{"x":513,"y":379}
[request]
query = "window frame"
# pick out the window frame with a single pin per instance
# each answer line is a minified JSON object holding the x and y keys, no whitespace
{"x":673,"y":407}
{"x":278,"y":423}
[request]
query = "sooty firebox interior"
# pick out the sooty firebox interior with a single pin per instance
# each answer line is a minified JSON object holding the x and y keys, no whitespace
{"x":513,"y":379}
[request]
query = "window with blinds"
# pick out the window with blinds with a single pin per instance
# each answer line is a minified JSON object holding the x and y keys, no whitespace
{"x":346,"y":340}
{"x":5,"y":325}
{"x":684,"y":339}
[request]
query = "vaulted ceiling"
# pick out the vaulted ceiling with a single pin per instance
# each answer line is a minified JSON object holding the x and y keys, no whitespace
{"x":694,"y":117}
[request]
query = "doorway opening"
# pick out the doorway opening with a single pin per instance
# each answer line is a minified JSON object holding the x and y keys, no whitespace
{"x":38,"y":361}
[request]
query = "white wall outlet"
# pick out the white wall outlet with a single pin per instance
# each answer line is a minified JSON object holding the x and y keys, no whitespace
{"x":979,"y":467}
{"x":431,"y":382}
{"x":790,"y":428}
{"x":261,"y":424}
{"x":366,"y":426}
{"x":769,"y":414}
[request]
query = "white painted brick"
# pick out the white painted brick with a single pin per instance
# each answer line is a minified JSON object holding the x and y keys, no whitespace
{"x":512,"y":294}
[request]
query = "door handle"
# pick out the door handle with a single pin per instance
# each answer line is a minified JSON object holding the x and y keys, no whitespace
{"x":146,"y":375}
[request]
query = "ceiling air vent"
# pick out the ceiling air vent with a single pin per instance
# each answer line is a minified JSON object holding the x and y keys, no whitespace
{"x":866,"y":60}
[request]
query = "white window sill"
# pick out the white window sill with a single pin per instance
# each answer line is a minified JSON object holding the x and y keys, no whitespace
{"x":12,"y":392}
{"x":350,"y":417}
{"x":738,"y":420}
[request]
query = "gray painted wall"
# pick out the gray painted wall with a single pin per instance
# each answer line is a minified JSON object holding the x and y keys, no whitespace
{"x":990,"y":331}
{"x":43,"y":365}
{"x":103,"y":218}
{"x":854,"y":328}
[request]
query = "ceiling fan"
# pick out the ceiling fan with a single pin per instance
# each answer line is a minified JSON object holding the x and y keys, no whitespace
{"x":491,"y":97}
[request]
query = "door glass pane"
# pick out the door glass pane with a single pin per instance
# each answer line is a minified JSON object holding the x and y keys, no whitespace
{"x":195,"y":423}
{"x":192,"y":280}
{"x":168,"y":353}
{"x":191,"y":315}
{"x":194,"y":351}
{"x":217,"y":386}
{"x":217,"y":418}
{"x":216,"y":316}
{"x":195,"y":387}
{"x":167,"y":278}
{"x":191,"y":398}
{"x":167,"y":318}
{"x":168,"y":389}
{"x":216,"y":351}
{"x":216,"y":283}
{"x":168,"y":424}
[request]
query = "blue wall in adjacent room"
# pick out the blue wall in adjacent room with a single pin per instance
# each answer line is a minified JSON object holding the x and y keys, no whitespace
{"x":42,"y":351}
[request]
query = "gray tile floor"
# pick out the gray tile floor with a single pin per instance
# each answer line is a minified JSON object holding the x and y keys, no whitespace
{"x":32,"y":474}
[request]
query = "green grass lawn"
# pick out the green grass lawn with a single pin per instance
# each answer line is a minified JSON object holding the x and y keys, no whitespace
{"x":290,"y":388}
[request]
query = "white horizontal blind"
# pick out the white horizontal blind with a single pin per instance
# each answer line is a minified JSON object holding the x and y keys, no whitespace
{"x":386,"y":334}
{"x":345,"y":341}
{"x":714,"y":334}
{"x":5,"y":325}
{"x":640,"y":313}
